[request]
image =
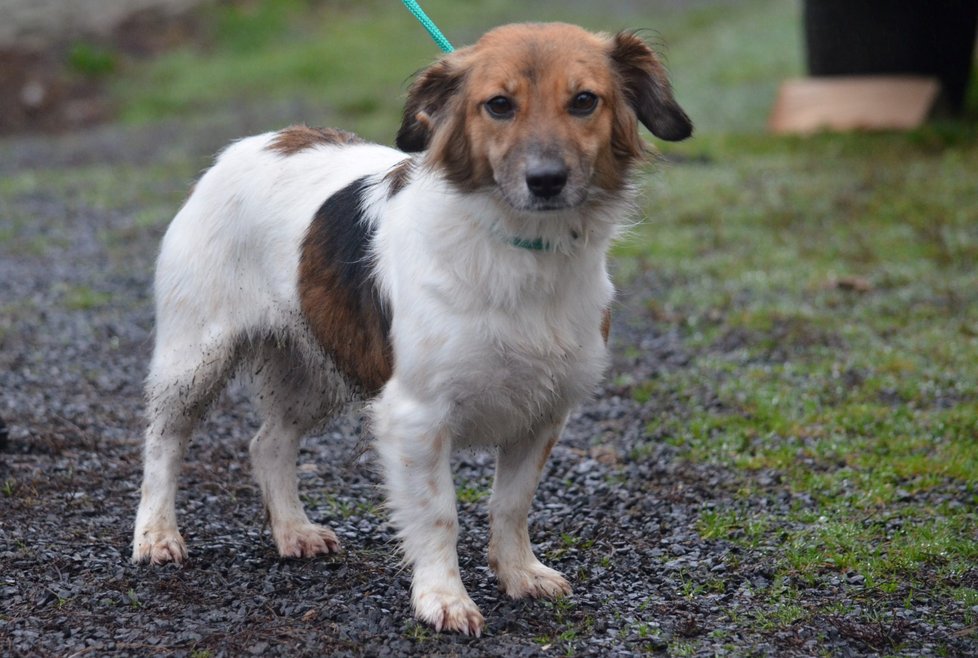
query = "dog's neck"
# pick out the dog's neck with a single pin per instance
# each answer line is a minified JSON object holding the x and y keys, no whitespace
{"x":563,"y":231}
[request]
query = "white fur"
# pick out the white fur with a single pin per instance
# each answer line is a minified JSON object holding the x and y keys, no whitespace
{"x":493,"y":346}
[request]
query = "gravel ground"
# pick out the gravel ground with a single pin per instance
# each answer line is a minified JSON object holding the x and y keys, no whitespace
{"x":616,"y":512}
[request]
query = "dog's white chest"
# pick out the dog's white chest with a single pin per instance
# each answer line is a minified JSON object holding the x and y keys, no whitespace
{"x":499,"y":369}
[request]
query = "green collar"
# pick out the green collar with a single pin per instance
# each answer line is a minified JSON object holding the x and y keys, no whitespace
{"x":531,"y":245}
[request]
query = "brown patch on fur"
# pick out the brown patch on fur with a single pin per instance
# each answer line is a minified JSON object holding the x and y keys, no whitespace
{"x":357,"y":341}
{"x":434,"y":457}
{"x":338,"y":296}
{"x":606,"y":325}
{"x":298,"y":138}
{"x":545,"y":455}
{"x":493,"y":558}
{"x":445,"y":523}
{"x":398,"y":177}
{"x":438,"y":443}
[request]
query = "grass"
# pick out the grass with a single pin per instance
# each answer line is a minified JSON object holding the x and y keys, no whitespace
{"x":81,"y":297}
{"x":577,"y":626}
{"x":91,"y":60}
{"x":865,"y":401}
{"x":324,"y":52}
{"x":825,"y":288}
{"x":471,"y":494}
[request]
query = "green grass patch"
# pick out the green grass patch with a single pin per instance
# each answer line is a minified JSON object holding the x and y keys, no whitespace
{"x":576,"y":626}
{"x":84,"y":298}
{"x":92,"y":60}
{"x":472,"y":493}
{"x":827,"y":294}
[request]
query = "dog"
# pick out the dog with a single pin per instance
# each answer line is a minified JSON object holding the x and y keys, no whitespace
{"x":457,"y":283}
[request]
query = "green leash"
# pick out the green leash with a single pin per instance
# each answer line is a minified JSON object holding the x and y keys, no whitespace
{"x":429,"y":25}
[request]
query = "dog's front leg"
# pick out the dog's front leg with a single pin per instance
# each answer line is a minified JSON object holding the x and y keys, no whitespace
{"x":421,"y":498}
{"x":518,"y":469}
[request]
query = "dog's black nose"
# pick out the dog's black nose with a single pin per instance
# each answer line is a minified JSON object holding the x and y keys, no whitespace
{"x":546,"y":180}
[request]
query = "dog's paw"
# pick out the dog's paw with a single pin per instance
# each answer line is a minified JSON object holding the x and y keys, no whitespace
{"x":534,"y":580}
{"x":449,"y":612}
{"x":305,"y":540}
{"x":159,"y":547}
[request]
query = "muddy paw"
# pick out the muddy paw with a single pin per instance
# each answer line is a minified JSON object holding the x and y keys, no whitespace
{"x":449,"y":612}
{"x":534,"y":580}
{"x":305,"y":540}
{"x":159,"y":547}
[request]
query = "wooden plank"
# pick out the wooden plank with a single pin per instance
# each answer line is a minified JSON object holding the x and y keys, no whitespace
{"x":841,"y":104}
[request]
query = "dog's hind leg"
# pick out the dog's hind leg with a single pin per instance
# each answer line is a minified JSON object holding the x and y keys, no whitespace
{"x":518,"y":468}
{"x":184,"y":378}
{"x":291,"y":400}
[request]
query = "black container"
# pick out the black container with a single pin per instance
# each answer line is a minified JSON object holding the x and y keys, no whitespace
{"x":874,"y":37}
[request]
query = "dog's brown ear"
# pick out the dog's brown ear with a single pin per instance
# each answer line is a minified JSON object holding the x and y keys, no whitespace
{"x":428,"y":95}
{"x":647,"y":88}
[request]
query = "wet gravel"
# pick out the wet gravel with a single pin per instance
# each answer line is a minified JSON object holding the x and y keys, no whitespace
{"x":617,"y":510}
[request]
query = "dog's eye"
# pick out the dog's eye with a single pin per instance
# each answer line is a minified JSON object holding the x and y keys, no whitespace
{"x":500,"y":107}
{"x":583,"y":104}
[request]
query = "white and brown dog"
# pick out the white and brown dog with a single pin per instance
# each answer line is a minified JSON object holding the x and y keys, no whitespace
{"x":464,"y":289}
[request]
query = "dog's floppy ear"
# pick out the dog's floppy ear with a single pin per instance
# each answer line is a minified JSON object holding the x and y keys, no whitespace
{"x":647,"y":89}
{"x":428,"y":95}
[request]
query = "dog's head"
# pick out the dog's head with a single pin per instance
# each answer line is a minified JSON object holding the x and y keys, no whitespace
{"x":545,"y":113}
